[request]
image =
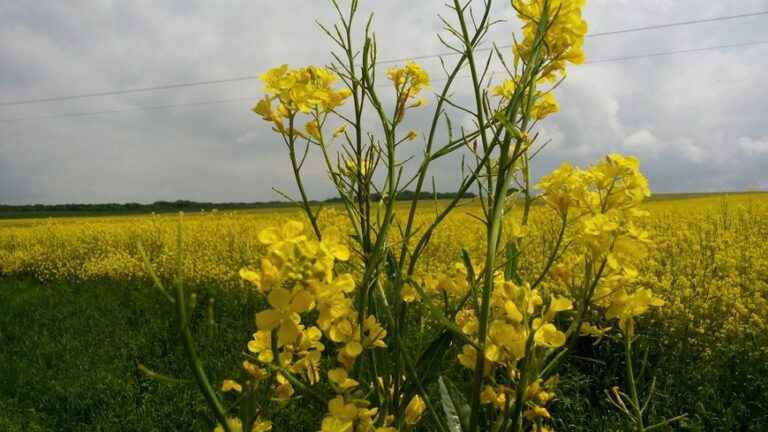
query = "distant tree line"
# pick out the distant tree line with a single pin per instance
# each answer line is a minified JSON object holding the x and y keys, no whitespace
{"x":181,"y":205}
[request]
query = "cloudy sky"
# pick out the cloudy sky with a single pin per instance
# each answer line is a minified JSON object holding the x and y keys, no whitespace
{"x":696,"y":120}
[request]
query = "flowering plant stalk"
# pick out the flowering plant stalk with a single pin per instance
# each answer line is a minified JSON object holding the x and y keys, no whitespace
{"x":339,"y":327}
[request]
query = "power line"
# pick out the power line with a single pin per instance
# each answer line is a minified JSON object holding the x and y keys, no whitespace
{"x":137,"y":108}
{"x":652,"y":55}
{"x":593,"y":35}
{"x":128,"y":91}
{"x":422,"y":57}
{"x":220,"y":101}
{"x":675,"y":52}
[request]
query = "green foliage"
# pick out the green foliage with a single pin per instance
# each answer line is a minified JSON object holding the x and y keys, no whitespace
{"x":69,"y":356}
{"x":70,"y":353}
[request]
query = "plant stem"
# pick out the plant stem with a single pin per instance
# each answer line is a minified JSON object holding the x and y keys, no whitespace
{"x":631,"y":378}
{"x":182,"y":320}
{"x":299,"y":183}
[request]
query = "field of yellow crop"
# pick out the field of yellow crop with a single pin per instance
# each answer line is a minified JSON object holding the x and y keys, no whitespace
{"x":709,"y":263}
{"x":710,"y":260}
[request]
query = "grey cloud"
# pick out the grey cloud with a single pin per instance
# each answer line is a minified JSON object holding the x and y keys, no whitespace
{"x":695,"y":120}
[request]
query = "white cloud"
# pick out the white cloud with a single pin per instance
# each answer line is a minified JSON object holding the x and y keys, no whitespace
{"x":752,"y":146}
{"x":691,"y":151}
{"x":643,"y":141}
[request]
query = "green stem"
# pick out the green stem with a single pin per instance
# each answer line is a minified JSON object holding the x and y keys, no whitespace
{"x":201,"y":378}
{"x":297,"y":177}
{"x":631,"y":379}
{"x":522,"y":385}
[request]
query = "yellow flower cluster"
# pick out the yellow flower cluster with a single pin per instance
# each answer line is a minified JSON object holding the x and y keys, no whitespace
{"x":235,"y":425}
{"x":451,"y":284}
{"x":521,"y":325}
{"x":544,"y":103}
{"x":353,"y":415}
{"x":505,"y":90}
{"x":602,"y":203}
{"x":564,"y":39}
{"x":408,"y":81}
{"x":297,"y":276}
{"x":308,"y":90}
{"x":348,"y":411}
{"x":616,"y":183}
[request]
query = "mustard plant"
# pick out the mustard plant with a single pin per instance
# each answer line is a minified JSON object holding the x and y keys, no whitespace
{"x":339,"y":328}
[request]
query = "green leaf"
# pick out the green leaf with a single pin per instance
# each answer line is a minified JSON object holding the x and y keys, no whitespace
{"x":428,"y":365}
{"x":468,"y":265}
{"x":510,"y":271}
{"x":450,"y":407}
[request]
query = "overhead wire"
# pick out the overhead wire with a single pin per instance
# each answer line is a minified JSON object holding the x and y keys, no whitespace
{"x":396,"y":60}
{"x":220,"y":101}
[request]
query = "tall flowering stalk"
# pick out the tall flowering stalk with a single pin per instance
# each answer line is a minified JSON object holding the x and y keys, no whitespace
{"x":345,"y":339}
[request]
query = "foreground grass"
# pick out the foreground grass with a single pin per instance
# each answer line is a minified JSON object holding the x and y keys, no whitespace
{"x":68,"y":356}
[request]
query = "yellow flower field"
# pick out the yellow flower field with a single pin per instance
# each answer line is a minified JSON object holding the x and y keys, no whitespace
{"x":710,"y":259}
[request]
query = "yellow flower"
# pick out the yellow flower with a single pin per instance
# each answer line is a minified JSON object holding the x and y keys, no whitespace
{"x":545,"y":105}
{"x":490,"y":396}
{"x":332,"y":302}
{"x":264,"y":108}
{"x":564,"y":37}
{"x":292,"y":232}
{"x":409,"y":293}
{"x":264,"y":280}
{"x":283,"y":389}
{"x":510,"y":340}
{"x":588,"y":329}
{"x":414,"y":410}
{"x":261,"y":425}
{"x":250,"y":276}
{"x":506,"y":90}
{"x":468,"y":359}
{"x":374,"y":333}
{"x":339,"y":131}
{"x":341,"y":416}
{"x":333,"y":246}
{"x":549,"y":336}
{"x":625,"y":306}
{"x":512,"y":312}
{"x":284,"y":315}
{"x":562,"y":188}
{"x":261,"y":344}
{"x":230,"y":385}
{"x":558,"y":304}
{"x":341,"y":379}
{"x":304,"y":90}
{"x":235,"y":425}
{"x":409,"y":80}
{"x":468,"y":356}
{"x":255,"y":371}
{"x":313,"y":129}
{"x":537,"y":412}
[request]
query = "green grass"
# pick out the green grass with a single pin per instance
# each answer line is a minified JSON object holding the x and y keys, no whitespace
{"x":68,"y":355}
